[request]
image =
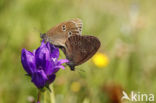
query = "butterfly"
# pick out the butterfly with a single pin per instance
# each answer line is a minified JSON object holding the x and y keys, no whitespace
{"x":58,"y":34}
{"x":68,"y":37}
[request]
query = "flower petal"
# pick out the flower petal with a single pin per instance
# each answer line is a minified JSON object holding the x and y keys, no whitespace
{"x":39,"y":78}
{"x":42,"y":54}
{"x":61,"y":61}
{"x":28,"y":61}
{"x":34,"y":52}
{"x":60,"y":67}
{"x":49,"y":69}
{"x":51,"y":78}
{"x":54,"y":51}
{"x":57,"y":68}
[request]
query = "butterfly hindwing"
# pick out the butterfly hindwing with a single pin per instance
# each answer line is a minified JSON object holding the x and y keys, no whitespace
{"x":80,"y":48}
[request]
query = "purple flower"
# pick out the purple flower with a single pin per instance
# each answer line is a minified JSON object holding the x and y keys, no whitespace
{"x":42,"y":64}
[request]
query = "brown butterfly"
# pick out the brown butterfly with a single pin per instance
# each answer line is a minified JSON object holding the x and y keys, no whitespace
{"x":61,"y":32}
{"x":78,"y":49}
{"x":67,"y":36}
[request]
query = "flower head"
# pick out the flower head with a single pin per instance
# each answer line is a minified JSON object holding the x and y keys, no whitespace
{"x":100,"y":60}
{"x":42,"y":64}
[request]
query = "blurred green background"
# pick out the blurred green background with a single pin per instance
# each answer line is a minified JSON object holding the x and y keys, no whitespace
{"x":126,"y":29}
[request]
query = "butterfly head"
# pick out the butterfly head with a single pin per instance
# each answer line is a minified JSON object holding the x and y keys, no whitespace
{"x":43,"y":36}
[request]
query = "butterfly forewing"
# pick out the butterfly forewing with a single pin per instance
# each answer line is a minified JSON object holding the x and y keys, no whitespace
{"x":59,"y":34}
{"x":80,"y":48}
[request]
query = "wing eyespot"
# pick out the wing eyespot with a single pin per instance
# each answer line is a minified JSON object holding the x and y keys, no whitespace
{"x":83,"y":52}
{"x":64,"y":27}
{"x":74,"y":43}
{"x":79,"y":43}
{"x":69,"y":33}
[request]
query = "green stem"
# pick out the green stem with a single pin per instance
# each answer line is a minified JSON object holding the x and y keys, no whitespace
{"x":45,"y":97}
{"x":39,"y":96}
{"x":52,"y":96}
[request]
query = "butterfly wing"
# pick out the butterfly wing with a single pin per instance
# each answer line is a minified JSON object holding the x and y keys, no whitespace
{"x":80,"y":48}
{"x":59,"y":34}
